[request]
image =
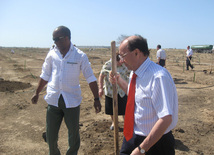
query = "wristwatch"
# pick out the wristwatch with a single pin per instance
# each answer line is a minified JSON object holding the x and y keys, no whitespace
{"x":96,"y":99}
{"x":142,"y":151}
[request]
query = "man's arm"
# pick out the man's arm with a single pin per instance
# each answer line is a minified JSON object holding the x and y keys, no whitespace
{"x":155,"y":134}
{"x":41,"y":85}
{"x":158,"y":60}
{"x":158,"y":56}
{"x":94,"y":89}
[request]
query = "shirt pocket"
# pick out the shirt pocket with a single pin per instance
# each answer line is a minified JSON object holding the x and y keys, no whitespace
{"x":72,"y":67}
{"x":72,"y":72}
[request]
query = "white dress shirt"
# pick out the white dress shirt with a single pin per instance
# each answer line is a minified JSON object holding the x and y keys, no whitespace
{"x":62,"y":75}
{"x":189,"y":52}
{"x":155,"y":97}
{"x":161,"y":54}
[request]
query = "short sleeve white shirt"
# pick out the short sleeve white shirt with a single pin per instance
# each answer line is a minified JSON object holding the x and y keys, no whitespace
{"x":63,"y":74}
{"x":189,"y":52}
{"x":155,"y":97}
{"x":161,"y":54}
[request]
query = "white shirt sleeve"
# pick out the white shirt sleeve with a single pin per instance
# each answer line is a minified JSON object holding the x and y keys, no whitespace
{"x":47,"y":67}
{"x":87,"y":70}
{"x":162,"y":97}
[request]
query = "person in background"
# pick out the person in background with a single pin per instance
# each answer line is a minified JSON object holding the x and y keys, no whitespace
{"x":152,"y":104}
{"x":60,"y":72}
{"x":12,"y":51}
{"x":161,"y":56}
{"x":189,"y":54}
{"x":122,"y":97}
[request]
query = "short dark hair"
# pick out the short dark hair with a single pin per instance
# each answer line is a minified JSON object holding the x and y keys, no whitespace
{"x":140,"y":43}
{"x":159,"y":46}
{"x":64,"y":31}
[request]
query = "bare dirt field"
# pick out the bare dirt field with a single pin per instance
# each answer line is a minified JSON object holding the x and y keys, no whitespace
{"x":23,"y":123}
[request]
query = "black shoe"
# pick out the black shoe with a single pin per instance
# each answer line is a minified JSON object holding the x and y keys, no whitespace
{"x":44,"y":136}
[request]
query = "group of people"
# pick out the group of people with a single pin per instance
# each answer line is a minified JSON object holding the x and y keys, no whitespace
{"x":147,"y":95}
{"x":161,"y":57}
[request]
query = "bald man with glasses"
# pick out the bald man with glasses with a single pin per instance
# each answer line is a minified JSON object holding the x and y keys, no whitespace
{"x":152,"y":104}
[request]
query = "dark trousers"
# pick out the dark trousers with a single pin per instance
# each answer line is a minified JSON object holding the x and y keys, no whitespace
{"x":165,"y":146}
{"x":162,"y":62}
{"x":54,"y":119}
{"x":188,"y":63}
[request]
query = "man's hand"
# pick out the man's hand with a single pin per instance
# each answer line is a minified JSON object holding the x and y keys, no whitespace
{"x":35,"y":98}
{"x":97,"y":106}
{"x":41,"y":85}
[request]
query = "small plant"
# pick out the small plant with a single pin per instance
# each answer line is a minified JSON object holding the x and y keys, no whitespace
{"x":183,"y":67}
{"x":33,"y":75}
{"x":25,"y":65}
{"x":194,"y":77}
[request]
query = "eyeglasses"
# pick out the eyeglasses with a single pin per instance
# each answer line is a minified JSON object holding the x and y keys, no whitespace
{"x":123,"y":56}
{"x":118,"y":57}
{"x":58,"y":38}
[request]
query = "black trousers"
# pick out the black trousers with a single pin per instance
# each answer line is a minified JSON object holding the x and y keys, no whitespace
{"x":188,"y":63}
{"x":162,"y":62}
{"x":165,"y":146}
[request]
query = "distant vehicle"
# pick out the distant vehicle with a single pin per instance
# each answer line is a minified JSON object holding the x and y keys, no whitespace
{"x":202,"y":48}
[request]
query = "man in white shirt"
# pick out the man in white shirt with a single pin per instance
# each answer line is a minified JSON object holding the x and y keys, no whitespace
{"x":189,"y":54}
{"x":161,"y":56}
{"x":60,"y":72}
{"x":155,"y":101}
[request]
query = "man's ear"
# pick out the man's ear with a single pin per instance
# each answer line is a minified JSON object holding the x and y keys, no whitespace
{"x":136,"y":51}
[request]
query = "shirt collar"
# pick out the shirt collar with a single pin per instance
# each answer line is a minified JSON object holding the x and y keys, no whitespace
{"x":141,"y":70}
{"x":69,"y":51}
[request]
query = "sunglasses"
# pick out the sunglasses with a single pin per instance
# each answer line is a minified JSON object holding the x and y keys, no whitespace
{"x":58,"y":38}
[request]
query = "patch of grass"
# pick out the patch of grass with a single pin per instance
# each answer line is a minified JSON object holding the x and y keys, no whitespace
{"x":194,"y":77}
{"x":33,"y":75}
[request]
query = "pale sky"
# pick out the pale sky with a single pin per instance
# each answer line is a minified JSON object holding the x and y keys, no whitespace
{"x":171,"y":23}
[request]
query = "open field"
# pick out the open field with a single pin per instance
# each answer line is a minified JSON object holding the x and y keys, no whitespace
{"x":23,"y":123}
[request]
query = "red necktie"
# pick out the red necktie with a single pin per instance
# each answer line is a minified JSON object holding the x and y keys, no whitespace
{"x":129,"y":114}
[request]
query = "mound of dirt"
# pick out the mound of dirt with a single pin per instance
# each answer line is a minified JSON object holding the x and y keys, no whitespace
{"x":12,"y":86}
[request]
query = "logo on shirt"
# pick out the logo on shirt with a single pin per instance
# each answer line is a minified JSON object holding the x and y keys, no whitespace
{"x":71,"y":62}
